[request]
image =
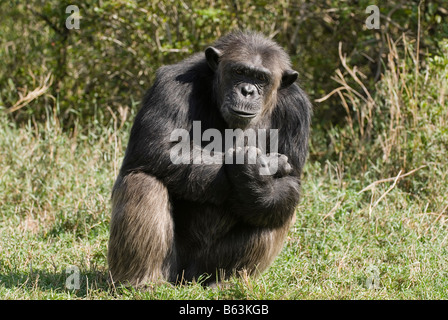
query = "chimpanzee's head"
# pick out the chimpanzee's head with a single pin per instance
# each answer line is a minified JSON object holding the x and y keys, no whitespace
{"x":249,"y":70}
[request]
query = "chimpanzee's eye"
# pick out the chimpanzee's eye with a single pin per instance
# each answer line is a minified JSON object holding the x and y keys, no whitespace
{"x":239,"y":71}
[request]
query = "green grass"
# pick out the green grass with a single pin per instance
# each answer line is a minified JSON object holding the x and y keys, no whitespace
{"x":54,"y":212}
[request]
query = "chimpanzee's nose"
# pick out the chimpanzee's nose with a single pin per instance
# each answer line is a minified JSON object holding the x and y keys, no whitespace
{"x":247,"y":90}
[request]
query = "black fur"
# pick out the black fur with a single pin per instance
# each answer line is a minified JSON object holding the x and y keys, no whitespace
{"x":227,"y":217}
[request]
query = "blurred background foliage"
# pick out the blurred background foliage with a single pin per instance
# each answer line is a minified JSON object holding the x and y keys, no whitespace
{"x":101,"y":71}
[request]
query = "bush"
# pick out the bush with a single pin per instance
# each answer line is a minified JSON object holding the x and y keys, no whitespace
{"x":111,"y":60}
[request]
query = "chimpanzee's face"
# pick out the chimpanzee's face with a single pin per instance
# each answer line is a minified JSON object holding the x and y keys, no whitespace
{"x":243,"y":92}
{"x":246,"y":88}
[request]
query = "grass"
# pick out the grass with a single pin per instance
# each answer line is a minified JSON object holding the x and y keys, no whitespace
{"x":54,"y":207}
{"x":54,"y":202}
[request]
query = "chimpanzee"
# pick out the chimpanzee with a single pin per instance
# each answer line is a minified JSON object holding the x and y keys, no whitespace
{"x":180,"y":220}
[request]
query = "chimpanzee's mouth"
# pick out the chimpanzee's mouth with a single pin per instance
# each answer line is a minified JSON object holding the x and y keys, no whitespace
{"x":243,"y":114}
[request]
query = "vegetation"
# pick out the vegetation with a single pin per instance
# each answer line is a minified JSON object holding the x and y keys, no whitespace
{"x":372,"y":223}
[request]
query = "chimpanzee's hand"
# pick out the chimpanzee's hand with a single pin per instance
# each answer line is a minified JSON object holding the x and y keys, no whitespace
{"x":251,"y":162}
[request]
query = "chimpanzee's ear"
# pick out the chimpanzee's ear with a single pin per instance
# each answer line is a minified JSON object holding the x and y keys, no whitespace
{"x":212,"y":55}
{"x":288,"y":78}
